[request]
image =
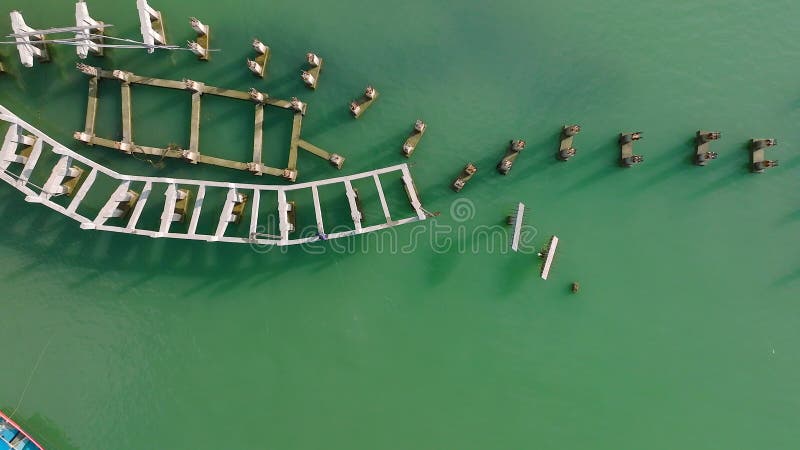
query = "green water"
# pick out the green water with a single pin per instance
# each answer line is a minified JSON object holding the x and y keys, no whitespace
{"x":682,"y":335}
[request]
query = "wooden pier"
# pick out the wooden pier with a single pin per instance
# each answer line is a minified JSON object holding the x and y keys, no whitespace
{"x":514,"y":148}
{"x":202,"y":45}
{"x":193,"y":153}
{"x":565,"y":148}
{"x":465,"y":175}
{"x":702,"y":146}
{"x":357,"y":107}
{"x":180,"y":213}
{"x":758,"y":155}
{"x":413,"y":139}
{"x":627,"y":158}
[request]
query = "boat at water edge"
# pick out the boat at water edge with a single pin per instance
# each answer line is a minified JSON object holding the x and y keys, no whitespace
{"x":13,"y":437}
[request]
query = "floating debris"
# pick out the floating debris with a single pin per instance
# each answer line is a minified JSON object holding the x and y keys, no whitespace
{"x":626,"y":140}
{"x":758,"y":155}
{"x":151,"y":24}
{"x":413,"y":139}
{"x":466,"y":175}
{"x":702,"y":145}
{"x":201,"y":45}
{"x":516,"y":220}
{"x":548,"y":254}
{"x":514,"y":148}
{"x":311,"y":76}
{"x":259,"y":65}
{"x":357,"y":107}
{"x":566,"y":150}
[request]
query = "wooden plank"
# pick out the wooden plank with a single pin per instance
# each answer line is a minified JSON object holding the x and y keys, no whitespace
{"x":222,"y":162}
{"x":317,"y":210}
{"x":551,"y":252}
{"x":355,"y":214}
{"x":194,"y":139}
{"x":283,"y":216}
{"x":305,"y":145}
{"x":91,"y":106}
{"x":30,"y":164}
{"x":412,"y":193}
{"x":230,"y":93}
{"x":382,"y":197}
{"x":254,"y":212}
{"x":157,"y":82}
{"x":258,"y":134}
{"x":297,"y":124}
{"x":81,"y":194}
{"x":137,"y":210}
{"x":127,"y":114}
{"x":198,"y":206}
{"x":169,"y":208}
{"x":517,"y":226}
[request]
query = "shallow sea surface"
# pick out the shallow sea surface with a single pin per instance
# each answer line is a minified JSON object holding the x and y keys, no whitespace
{"x":684,"y":333}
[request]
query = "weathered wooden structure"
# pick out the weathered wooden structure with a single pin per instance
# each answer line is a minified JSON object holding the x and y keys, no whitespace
{"x":357,"y":107}
{"x":565,"y":148}
{"x":627,"y":158}
{"x":465,"y":175}
{"x":183,"y":200}
{"x":514,"y":149}
{"x":193,"y":154}
{"x":702,"y":146}
{"x":758,"y":155}
{"x":413,"y":139}
{"x":311,"y":76}
{"x":151,"y":24}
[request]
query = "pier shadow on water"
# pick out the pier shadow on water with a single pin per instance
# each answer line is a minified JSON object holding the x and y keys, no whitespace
{"x":54,"y":240}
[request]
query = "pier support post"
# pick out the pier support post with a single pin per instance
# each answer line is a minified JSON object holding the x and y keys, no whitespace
{"x":151,"y":25}
{"x":201,"y":45}
{"x":703,"y":153}
{"x":758,"y":155}
{"x":514,"y":149}
{"x":627,"y":158}
{"x":311,"y":76}
{"x":259,"y":65}
{"x":27,"y":46}
{"x":87,"y":42}
{"x":565,"y":148}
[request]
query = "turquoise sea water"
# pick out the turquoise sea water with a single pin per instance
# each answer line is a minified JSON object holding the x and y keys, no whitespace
{"x":683,"y":334}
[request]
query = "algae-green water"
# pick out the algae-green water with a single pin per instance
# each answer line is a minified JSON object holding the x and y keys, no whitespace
{"x":684,"y":333}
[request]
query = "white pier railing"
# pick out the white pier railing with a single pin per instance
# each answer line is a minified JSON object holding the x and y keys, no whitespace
{"x":74,"y":175}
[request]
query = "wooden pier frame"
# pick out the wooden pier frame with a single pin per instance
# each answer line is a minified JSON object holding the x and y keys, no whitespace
{"x":194,"y":154}
{"x":413,"y":139}
{"x":66,"y":178}
{"x":258,"y":66}
{"x":514,"y":149}
{"x":702,"y":146}
{"x":565,"y":148}
{"x":758,"y":154}
{"x":202,"y":44}
{"x":358,"y":107}
{"x":461,"y":180}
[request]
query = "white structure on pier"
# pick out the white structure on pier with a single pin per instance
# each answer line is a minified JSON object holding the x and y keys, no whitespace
{"x":151,"y":25}
{"x":125,"y":204}
{"x":548,"y":258}
{"x":85,"y":42}
{"x":25,"y":41}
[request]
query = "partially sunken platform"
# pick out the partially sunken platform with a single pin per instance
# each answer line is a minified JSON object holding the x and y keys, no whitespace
{"x":73,"y":175}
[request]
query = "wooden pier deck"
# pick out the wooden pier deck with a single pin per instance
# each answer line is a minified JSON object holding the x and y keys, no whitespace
{"x":75,"y":174}
{"x":193,"y":153}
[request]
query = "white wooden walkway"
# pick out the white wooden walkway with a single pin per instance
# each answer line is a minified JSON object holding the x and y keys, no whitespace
{"x":21,"y":135}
